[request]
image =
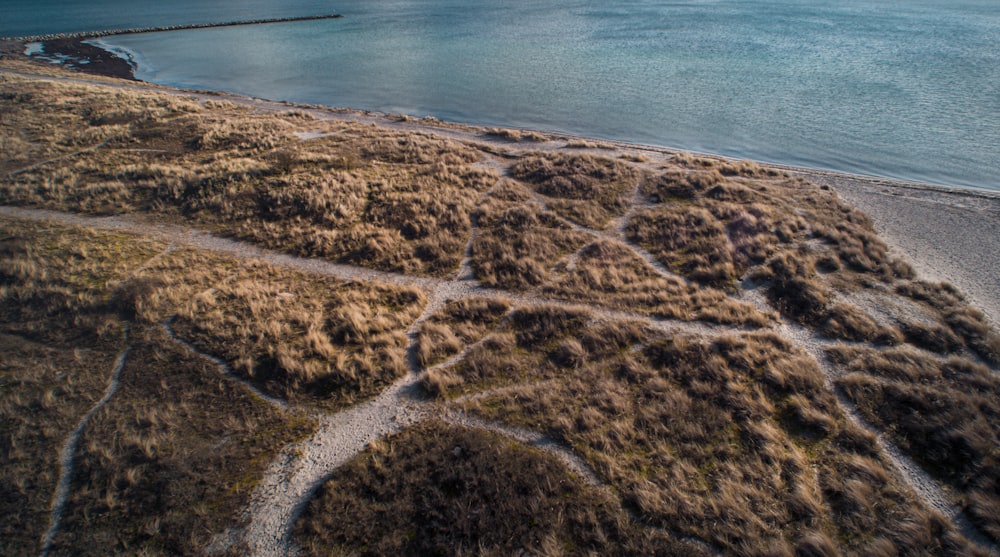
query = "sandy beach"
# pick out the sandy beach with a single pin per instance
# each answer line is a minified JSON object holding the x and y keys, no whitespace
{"x":950,"y":235}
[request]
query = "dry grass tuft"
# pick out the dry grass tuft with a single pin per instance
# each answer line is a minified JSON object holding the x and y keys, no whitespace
{"x":439,"y":489}
{"x":586,"y":189}
{"x":963,"y":321}
{"x":455,"y":326}
{"x":689,"y":240}
{"x":519,"y":241}
{"x":942,"y":412}
{"x":302,"y":338}
{"x":611,"y":274}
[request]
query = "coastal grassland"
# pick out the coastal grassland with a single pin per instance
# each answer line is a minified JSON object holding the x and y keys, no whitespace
{"x":945,"y":412}
{"x":172,"y":458}
{"x":353,"y":193}
{"x":519,"y":242}
{"x":176,"y":447}
{"x":609,"y":273}
{"x":300,"y":337}
{"x":732,"y":440}
{"x":719,"y":223}
{"x":303,"y":338}
{"x":59,"y":340}
{"x":456,"y":325}
{"x":531,"y":343}
{"x":438,"y":489}
{"x":587,"y":189}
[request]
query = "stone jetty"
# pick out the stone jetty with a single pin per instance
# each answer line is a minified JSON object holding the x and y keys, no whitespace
{"x":109,"y":32}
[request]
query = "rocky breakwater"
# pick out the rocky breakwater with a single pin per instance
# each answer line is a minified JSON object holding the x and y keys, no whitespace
{"x":134,"y":30}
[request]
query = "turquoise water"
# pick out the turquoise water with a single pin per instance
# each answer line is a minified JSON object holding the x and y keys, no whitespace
{"x":902,"y":89}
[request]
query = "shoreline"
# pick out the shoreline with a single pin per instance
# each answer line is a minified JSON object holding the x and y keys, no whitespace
{"x":948,"y":233}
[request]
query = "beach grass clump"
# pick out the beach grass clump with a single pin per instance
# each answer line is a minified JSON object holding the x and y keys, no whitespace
{"x":444,"y":489}
{"x":957,"y":320}
{"x":688,"y":240}
{"x":532,"y":344}
{"x":732,"y":441}
{"x":611,"y":274}
{"x":519,"y":242}
{"x":302,"y":338}
{"x":942,"y":412}
{"x":585,"y":189}
{"x":796,"y":289}
{"x":458,"y":324}
{"x":678,"y":185}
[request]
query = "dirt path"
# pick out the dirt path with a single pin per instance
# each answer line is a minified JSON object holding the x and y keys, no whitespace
{"x":926,"y":487}
{"x":292,"y":479}
{"x":69,"y":449}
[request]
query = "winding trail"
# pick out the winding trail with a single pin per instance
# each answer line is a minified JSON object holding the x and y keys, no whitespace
{"x":301,"y":468}
{"x":294,"y":476}
{"x":69,"y":449}
{"x":926,"y":487}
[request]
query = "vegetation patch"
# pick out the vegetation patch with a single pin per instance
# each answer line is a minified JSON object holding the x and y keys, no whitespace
{"x":611,"y":274}
{"x":733,"y":441}
{"x":175,"y":450}
{"x":456,"y":325}
{"x":945,"y":413}
{"x":586,"y":189}
{"x":373,"y":197}
{"x":519,"y":242}
{"x":445,"y":490}
{"x":173,"y":458}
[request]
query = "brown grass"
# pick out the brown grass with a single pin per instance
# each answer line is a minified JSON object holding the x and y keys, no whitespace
{"x":610,"y":274}
{"x":586,"y":189}
{"x":689,"y":240}
{"x":456,"y":325}
{"x":519,"y":242}
{"x":945,"y":413}
{"x":446,"y":490}
{"x":170,"y":459}
{"x":324,"y":340}
{"x":389,"y":200}
{"x":963,"y":321}
{"x":733,"y":441}
{"x":45,"y":391}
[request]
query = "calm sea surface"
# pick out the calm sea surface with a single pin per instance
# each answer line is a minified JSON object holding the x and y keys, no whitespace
{"x":903,"y":89}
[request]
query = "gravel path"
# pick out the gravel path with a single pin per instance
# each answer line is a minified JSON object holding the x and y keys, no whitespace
{"x":290,"y":482}
{"x":69,"y":449}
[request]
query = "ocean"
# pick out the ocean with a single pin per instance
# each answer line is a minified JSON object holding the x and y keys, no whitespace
{"x":905,"y":89}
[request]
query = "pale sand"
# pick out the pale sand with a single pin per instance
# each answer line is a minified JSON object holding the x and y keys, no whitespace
{"x":947,"y":234}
